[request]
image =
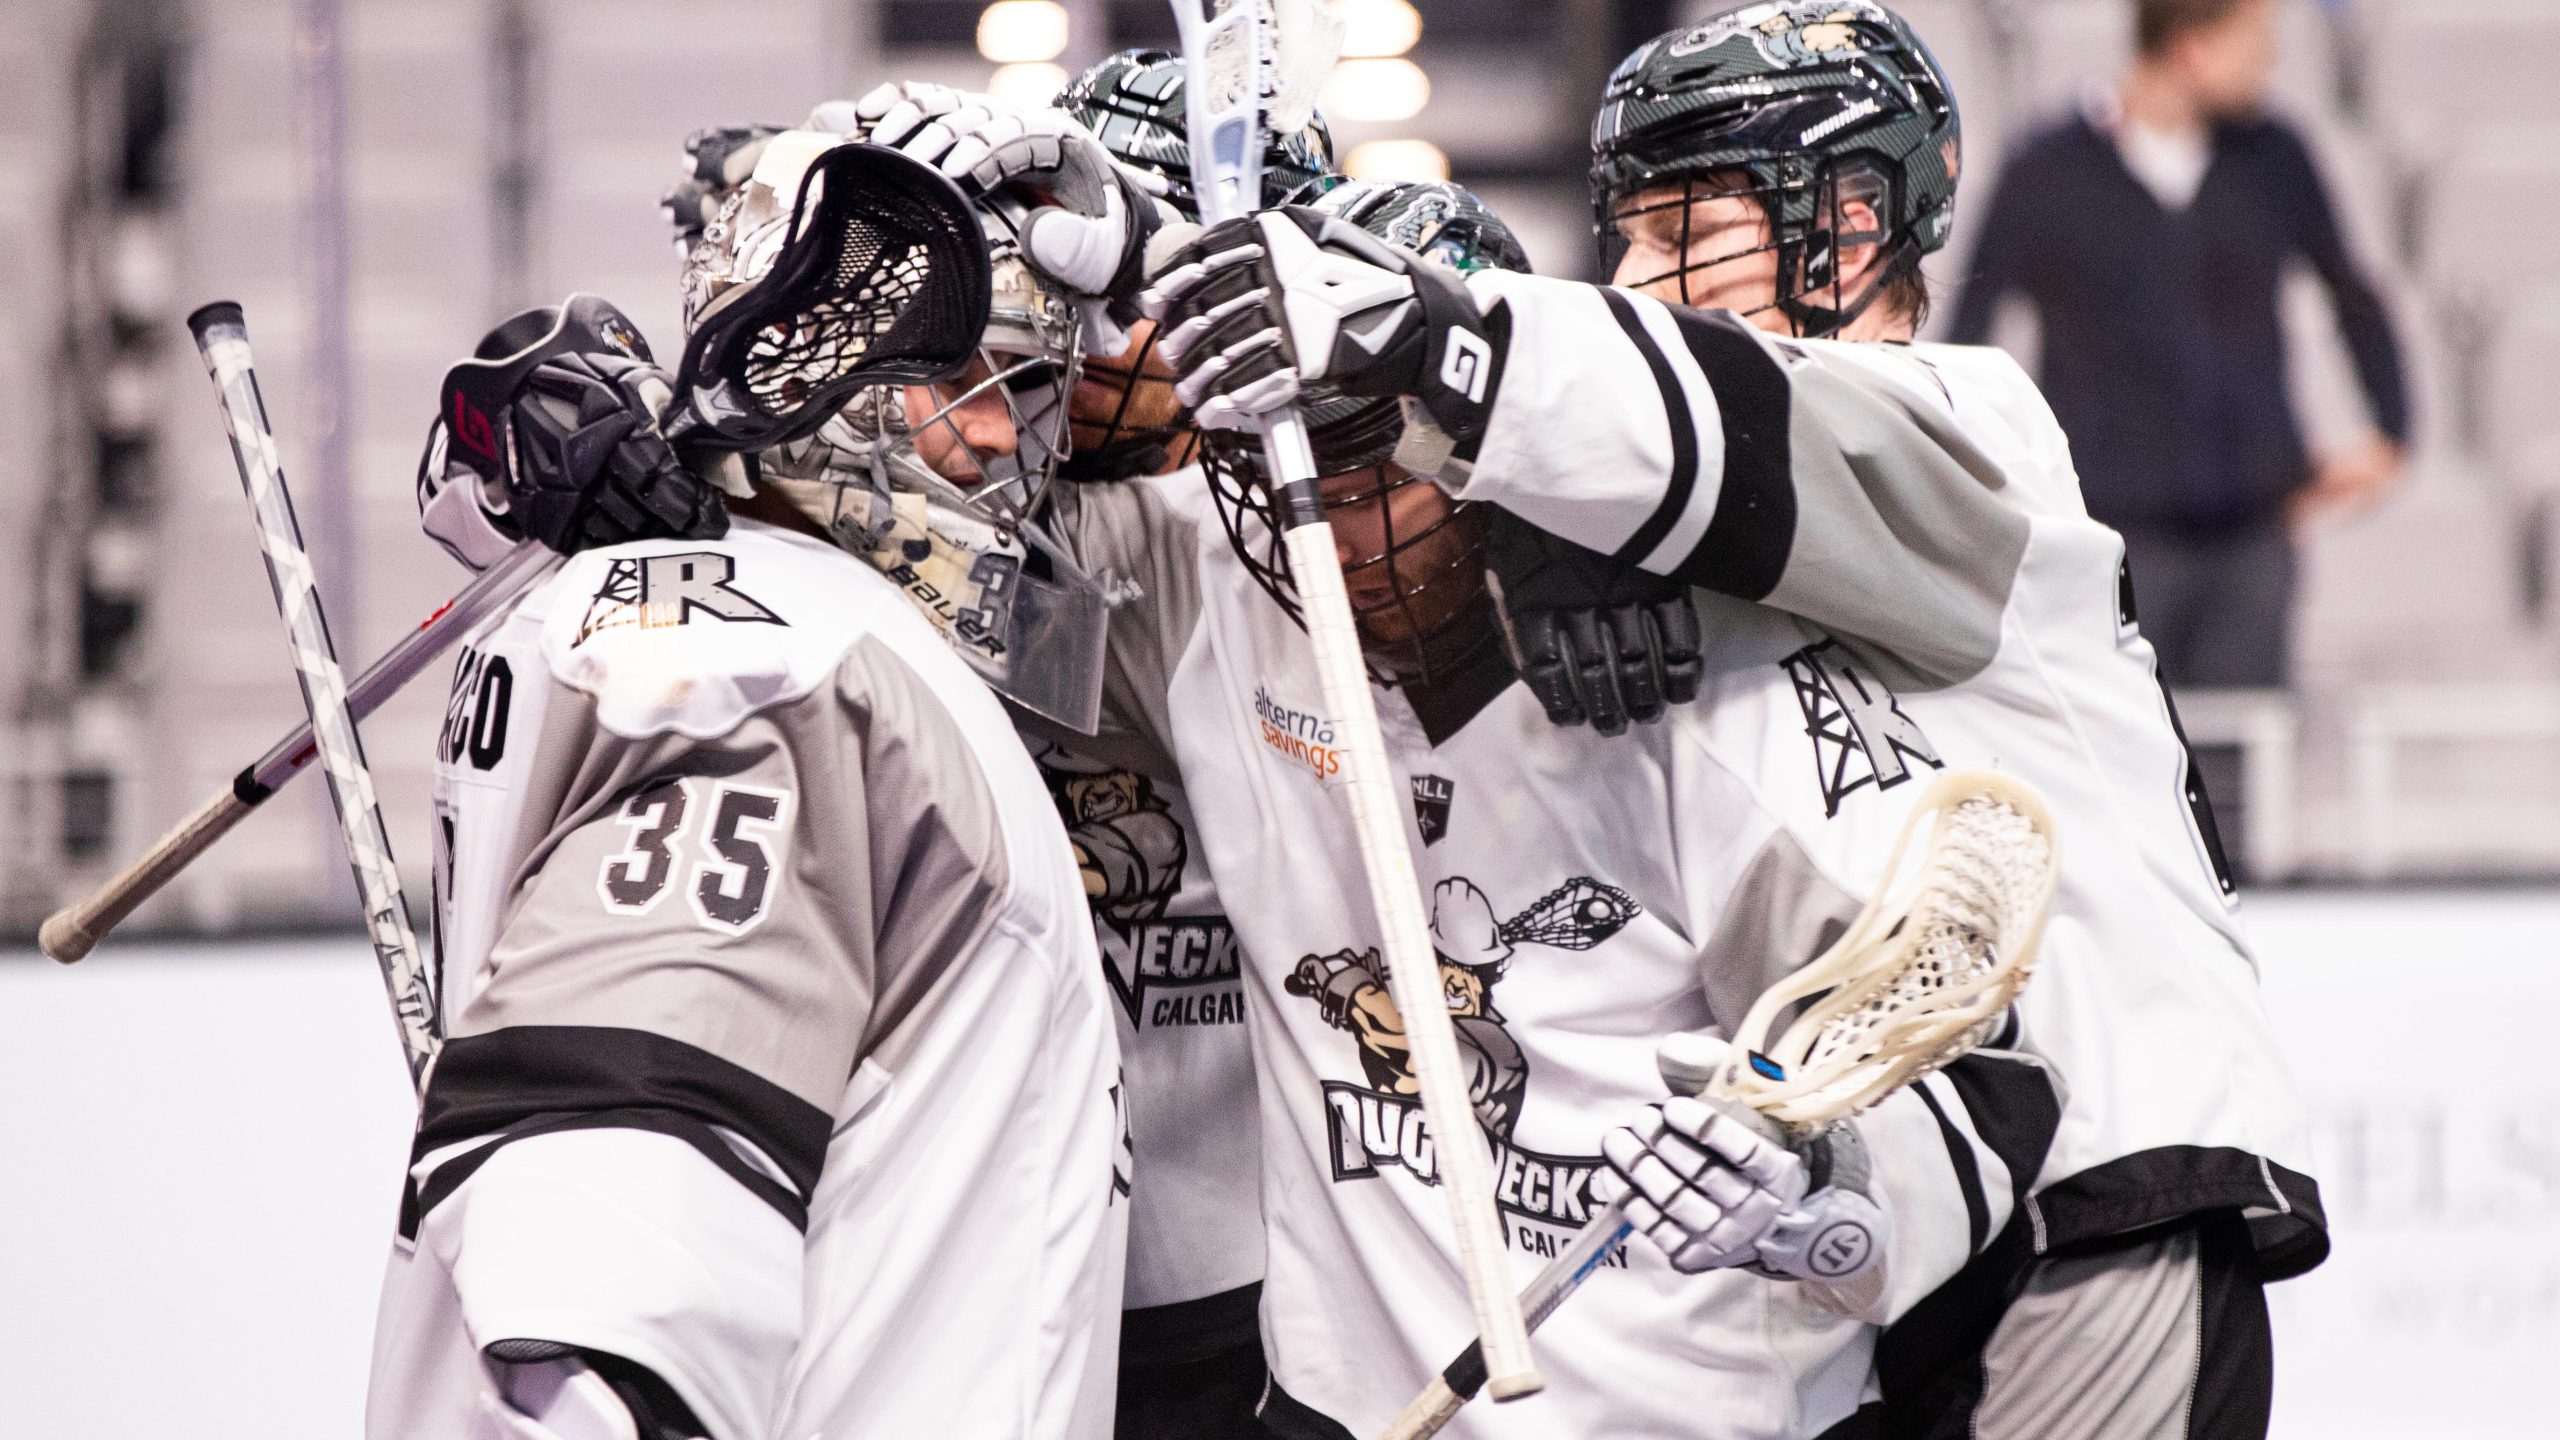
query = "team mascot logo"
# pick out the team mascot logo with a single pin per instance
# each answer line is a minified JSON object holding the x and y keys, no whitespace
{"x":1381,"y":1124}
{"x":1167,"y":969}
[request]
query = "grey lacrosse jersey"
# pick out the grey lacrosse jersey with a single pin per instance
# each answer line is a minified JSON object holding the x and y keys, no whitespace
{"x":1169,"y":958}
{"x":781,"y":1062}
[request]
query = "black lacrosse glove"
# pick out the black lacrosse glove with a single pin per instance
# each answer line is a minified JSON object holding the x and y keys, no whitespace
{"x":555,"y":421}
{"x":590,"y":467}
{"x":1598,"y":641}
{"x":716,"y":162}
{"x":1257,"y":311}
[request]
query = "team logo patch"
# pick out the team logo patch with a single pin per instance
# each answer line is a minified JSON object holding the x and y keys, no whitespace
{"x":1431,"y":797}
{"x":653,"y":591}
{"x":1860,"y":735}
{"x":1379,"y":1126}
{"x":1166,"y":970}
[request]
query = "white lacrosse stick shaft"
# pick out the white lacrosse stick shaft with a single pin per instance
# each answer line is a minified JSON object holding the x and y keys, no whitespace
{"x":1859,"y":967}
{"x":1233,"y":79}
{"x":222,"y":335}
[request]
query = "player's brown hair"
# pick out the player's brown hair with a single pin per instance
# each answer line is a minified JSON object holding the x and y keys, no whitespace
{"x":2157,"y":22}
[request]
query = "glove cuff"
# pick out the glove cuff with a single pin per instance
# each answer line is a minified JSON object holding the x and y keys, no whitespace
{"x":1463,"y":363}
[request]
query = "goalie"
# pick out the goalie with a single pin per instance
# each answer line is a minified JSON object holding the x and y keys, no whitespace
{"x":772,"y":997}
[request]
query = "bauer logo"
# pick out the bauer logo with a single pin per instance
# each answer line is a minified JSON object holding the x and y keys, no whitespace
{"x":1302,"y":735}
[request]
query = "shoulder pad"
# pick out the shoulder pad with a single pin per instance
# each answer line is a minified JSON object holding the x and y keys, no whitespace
{"x":694,"y":636}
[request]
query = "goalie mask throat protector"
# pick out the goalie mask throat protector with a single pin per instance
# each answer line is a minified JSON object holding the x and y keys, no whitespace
{"x":879,"y":275}
{"x":1813,"y":104}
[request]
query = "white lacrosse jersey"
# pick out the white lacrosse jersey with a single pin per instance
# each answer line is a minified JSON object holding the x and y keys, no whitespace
{"x":1937,"y":600}
{"x":1169,"y":959}
{"x":781,"y":1062}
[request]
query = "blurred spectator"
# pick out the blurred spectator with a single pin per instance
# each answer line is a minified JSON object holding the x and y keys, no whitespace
{"x":2150,"y":233}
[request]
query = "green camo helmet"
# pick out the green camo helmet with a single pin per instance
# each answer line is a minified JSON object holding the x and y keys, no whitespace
{"x":1133,"y":102}
{"x":1814,"y":102}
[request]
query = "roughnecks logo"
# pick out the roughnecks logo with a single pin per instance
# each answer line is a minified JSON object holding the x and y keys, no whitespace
{"x":1168,"y":970}
{"x":1380,"y":1125}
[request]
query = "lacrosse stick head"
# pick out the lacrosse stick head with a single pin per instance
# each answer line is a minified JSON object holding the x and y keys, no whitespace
{"x":878,"y":275}
{"x":1924,"y":974}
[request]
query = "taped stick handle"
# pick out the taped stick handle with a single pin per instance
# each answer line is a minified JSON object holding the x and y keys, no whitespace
{"x":70,"y":933}
{"x":73,"y":931}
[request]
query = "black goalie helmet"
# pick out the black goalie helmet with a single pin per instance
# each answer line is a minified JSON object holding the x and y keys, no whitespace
{"x":1806,"y":105}
{"x":1416,"y":570}
{"x":1134,"y":103}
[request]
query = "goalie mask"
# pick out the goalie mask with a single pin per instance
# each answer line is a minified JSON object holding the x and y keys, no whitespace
{"x":933,"y":481}
{"x":1413,"y":560}
{"x":1805,"y":106}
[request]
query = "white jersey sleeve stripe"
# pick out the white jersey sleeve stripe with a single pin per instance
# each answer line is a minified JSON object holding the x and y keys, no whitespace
{"x":1697,"y":435}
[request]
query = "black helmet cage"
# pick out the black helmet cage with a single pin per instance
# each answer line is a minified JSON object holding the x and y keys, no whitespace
{"x":1354,"y":435}
{"x":1804,"y":231}
{"x":1809,"y":104}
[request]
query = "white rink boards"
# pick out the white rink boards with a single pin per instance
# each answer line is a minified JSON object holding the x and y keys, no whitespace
{"x":203,"y":1145}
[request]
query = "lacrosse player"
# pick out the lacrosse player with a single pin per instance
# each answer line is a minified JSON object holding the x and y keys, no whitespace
{"x":781,"y":1096}
{"x":1897,"y":576}
{"x":1584,"y":905}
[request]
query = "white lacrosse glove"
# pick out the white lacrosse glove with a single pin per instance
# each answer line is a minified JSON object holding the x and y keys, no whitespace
{"x":1257,"y":310}
{"x":1716,"y":1186}
{"x":1091,"y":234}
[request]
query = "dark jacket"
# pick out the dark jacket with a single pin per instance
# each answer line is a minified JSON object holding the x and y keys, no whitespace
{"x":2163,"y":354}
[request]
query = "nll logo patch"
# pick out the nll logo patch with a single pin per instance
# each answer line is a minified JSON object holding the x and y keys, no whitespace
{"x":1860,"y":735}
{"x":1431,"y":797}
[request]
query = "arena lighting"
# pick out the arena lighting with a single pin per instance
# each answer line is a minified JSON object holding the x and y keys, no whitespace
{"x":1376,"y":90}
{"x":1378,"y":28}
{"x":1396,"y":160}
{"x":1028,"y":82}
{"x":1020,"y":32}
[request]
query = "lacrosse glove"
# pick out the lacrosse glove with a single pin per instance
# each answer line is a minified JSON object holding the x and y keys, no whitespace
{"x":1718,"y":1186}
{"x":1258,"y":311}
{"x":1599,"y":642}
{"x":550,"y":433}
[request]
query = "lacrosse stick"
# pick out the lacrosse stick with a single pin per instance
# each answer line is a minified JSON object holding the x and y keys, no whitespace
{"x":1244,"y":81}
{"x":1922,"y":977}
{"x":223,"y":335}
{"x":884,"y":287}
{"x":73,"y":931}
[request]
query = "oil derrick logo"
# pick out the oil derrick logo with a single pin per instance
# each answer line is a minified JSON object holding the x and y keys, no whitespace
{"x":1860,"y":735}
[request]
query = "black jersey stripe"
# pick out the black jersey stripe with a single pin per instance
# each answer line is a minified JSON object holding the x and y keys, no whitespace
{"x":1744,"y":550}
{"x":527,"y":1079}
{"x":1977,"y":1206}
{"x":1684,"y":437}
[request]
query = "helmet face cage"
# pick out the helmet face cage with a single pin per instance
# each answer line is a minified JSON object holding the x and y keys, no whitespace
{"x":1803,"y":205}
{"x":1806,"y":105}
{"x":1427,"y":614}
{"x":1405,"y":638}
